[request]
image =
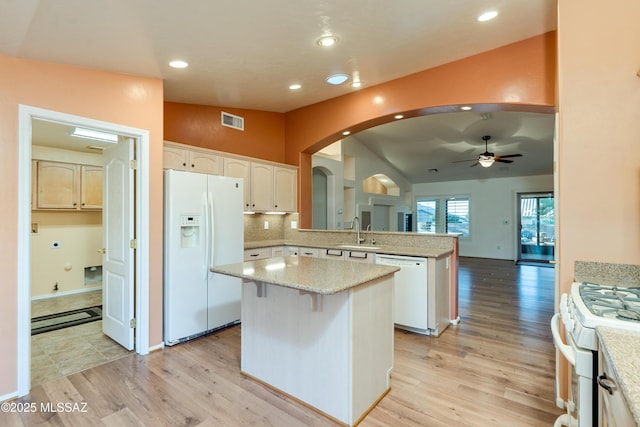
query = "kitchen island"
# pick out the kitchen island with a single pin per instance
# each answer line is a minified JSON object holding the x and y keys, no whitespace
{"x":318,"y":330}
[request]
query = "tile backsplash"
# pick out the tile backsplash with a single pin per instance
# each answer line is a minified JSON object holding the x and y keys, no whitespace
{"x":254,"y":227}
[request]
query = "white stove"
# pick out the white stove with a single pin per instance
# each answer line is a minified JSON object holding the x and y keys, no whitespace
{"x":587,"y":306}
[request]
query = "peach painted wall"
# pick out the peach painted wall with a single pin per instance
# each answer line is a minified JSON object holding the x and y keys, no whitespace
{"x":199,"y":125}
{"x":115,"y":98}
{"x":520,"y":76}
{"x":598,"y":164}
{"x":599,"y":137}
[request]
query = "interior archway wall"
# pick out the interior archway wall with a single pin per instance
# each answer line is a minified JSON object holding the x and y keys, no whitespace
{"x":517,"y":77}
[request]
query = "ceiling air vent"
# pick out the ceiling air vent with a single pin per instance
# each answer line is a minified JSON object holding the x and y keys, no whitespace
{"x":232,"y":121}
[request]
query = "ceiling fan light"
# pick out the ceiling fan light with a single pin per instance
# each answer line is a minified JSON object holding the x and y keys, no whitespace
{"x":486,"y":161}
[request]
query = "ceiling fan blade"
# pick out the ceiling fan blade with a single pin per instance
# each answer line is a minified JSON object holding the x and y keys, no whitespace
{"x":462,"y":161}
{"x":475,"y":164}
{"x":502,"y":160}
{"x":508,"y":155}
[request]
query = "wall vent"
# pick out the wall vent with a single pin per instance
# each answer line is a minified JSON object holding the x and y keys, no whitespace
{"x":232,"y":121}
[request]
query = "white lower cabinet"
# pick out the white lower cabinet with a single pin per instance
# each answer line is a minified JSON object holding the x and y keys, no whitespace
{"x":613,"y":406}
{"x":357,"y":256}
{"x":258,"y":253}
{"x":331,"y":253}
{"x":312,"y":252}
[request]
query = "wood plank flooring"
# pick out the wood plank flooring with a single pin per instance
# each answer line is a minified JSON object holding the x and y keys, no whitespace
{"x":495,"y":368}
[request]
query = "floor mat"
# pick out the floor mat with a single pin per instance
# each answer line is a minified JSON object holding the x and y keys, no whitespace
{"x":53,"y":322}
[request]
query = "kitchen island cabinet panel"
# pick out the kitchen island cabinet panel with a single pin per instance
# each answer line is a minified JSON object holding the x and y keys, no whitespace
{"x":337,"y":360}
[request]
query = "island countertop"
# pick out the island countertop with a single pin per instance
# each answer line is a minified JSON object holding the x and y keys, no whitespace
{"x":318,"y":275}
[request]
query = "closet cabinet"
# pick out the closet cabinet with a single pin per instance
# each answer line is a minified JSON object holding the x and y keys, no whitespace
{"x":67,"y":186}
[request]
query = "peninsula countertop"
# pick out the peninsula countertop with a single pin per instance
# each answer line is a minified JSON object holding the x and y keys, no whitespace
{"x":318,"y":275}
{"x":380,"y":249}
{"x":622,"y":346}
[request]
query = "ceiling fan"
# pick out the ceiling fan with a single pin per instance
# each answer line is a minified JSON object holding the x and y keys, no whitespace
{"x":487,"y":159}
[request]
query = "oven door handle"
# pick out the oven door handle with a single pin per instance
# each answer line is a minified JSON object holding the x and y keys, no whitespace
{"x":567,"y":351}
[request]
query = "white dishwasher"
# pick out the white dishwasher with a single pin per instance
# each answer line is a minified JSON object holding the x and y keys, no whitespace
{"x":410,"y":294}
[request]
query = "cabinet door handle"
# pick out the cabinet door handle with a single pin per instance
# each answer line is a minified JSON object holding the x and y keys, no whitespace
{"x":606,"y":383}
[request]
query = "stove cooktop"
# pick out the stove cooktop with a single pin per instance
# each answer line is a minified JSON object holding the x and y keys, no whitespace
{"x":603,"y":305}
{"x":611,"y":301}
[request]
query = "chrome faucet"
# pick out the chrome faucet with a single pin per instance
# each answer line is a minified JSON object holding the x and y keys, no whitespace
{"x":372,"y":240}
{"x":353,"y":221}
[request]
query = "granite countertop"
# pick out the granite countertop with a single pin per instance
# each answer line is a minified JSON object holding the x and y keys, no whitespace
{"x":379,"y":249}
{"x":622,"y":348}
{"x":318,"y":275}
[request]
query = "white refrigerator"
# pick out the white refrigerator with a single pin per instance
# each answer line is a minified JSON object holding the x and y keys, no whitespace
{"x":203,"y":226}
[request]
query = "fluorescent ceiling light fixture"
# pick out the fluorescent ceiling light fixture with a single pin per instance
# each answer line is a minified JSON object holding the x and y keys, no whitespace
{"x":487,"y":16}
{"x":398,"y":116}
{"x":327,"y":41}
{"x":295,"y":86}
{"x":465,"y":108}
{"x":178,"y":64}
{"x":95,"y":134}
{"x":486,"y":161}
{"x":337,"y":79}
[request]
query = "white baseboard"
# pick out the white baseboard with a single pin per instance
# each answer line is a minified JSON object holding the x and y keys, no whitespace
{"x":157,"y":347}
{"x":9,"y":396}
{"x":65,"y":293}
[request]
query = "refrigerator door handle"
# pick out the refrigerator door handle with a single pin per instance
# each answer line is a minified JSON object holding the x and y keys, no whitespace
{"x":207,"y":226}
{"x":211,"y":235}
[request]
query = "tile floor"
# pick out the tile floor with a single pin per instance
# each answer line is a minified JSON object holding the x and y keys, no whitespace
{"x":65,"y":351}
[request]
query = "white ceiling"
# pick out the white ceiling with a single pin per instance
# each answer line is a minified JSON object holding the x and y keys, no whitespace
{"x":245,"y":53}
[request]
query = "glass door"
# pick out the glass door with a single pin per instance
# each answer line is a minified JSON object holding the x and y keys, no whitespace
{"x":537,"y":227}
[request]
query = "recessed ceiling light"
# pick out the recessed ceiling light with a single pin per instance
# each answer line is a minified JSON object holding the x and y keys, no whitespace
{"x":487,"y":16}
{"x":346,"y":132}
{"x":178,"y":64}
{"x":465,"y":108}
{"x":327,"y":41}
{"x":398,"y":116}
{"x":356,"y":84}
{"x":337,"y":79}
{"x":295,"y":86}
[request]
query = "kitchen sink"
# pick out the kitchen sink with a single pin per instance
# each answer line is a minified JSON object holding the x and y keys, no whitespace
{"x":362,"y":247}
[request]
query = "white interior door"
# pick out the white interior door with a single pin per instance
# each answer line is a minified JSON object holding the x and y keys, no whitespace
{"x":118,"y":231}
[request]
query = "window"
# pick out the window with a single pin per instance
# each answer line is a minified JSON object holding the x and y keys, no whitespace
{"x":443,"y":215}
{"x":457,"y":211}
{"x":427,"y":220}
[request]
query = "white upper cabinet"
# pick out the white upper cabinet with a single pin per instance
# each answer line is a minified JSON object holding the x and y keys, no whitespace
{"x":179,"y":158}
{"x":261,"y":187}
{"x":284,"y":189}
{"x":268,"y":187}
{"x":238,"y":168}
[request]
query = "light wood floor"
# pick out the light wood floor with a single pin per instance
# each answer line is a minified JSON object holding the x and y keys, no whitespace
{"x":495,"y":368}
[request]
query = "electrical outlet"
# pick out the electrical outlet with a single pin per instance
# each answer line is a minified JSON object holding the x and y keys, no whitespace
{"x":294,"y":225}
{"x":266,"y":225}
